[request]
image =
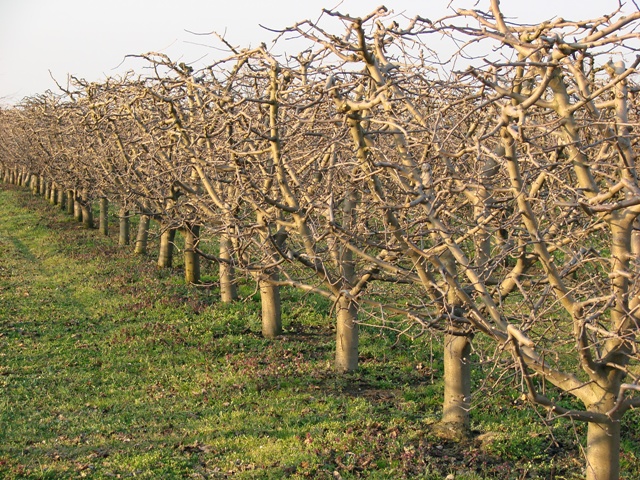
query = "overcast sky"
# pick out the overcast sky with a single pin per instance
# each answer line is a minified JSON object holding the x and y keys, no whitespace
{"x":90,"y":39}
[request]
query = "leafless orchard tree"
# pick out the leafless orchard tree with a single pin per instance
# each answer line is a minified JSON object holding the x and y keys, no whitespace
{"x":499,"y":202}
{"x":528,"y":202}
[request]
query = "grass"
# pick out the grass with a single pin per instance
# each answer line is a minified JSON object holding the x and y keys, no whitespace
{"x":111,"y":368}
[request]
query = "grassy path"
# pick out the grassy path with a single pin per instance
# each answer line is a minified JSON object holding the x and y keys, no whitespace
{"x":110,"y":368}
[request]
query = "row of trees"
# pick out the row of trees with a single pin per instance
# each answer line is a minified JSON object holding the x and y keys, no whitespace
{"x":499,"y":200}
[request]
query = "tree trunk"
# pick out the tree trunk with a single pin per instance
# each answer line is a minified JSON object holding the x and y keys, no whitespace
{"x":70,"y":202}
{"x":42,"y":186}
{"x":457,"y":369}
{"x":271,"y":309}
{"x":603,"y":451}
{"x":346,"y":336}
{"x":191,"y":258}
{"x":457,"y":383}
{"x":270,"y":293}
{"x":47,"y":191}
{"x":143,"y":235}
{"x":228,"y":290}
{"x":61,"y":199}
{"x":165,"y":257}
{"x":635,"y":240}
{"x":87,"y":213}
{"x":77,"y":207}
{"x":87,"y":210}
{"x":53,"y":194}
{"x":123,"y":215}
{"x":104,"y":216}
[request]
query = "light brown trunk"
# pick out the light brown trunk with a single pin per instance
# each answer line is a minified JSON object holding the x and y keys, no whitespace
{"x":61,"y":199}
{"x":457,"y":368}
{"x":33,"y":183}
{"x":271,"y":309}
{"x":47,"y":190}
{"x":269,"y":293}
{"x":457,"y":383}
{"x":347,"y":311}
{"x":123,"y":217}
{"x":70,"y":202}
{"x":228,"y":290}
{"x":77,"y":208}
{"x":87,"y":212}
{"x":603,"y":451}
{"x":346,"y":336}
{"x":165,"y":256}
{"x":191,"y":258}
{"x":143,"y":235}
{"x":104,"y":216}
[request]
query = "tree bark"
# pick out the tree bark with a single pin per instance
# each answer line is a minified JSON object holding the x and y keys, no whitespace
{"x":228,"y":290}
{"x":603,"y":451}
{"x":104,"y":216}
{"x":77,"y":207}
{"x":457,"y":382}
{"x":123,"y":237}
{"x":70,"y":202}
{"x":165,"y":256}
{"x":271,"y":308}
{"x":61,"y":199}
{"x":191,"y":258}
{"x":87,"y":214}
{"x":457,"y":368}
{"x":143,"y":235}
{"x":346,"y":336}
{"x":33,"y":183}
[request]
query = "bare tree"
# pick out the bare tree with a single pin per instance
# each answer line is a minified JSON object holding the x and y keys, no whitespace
{"x":501,"y":200}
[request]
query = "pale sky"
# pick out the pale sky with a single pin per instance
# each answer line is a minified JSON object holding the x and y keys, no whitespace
{"x":89,"y":39}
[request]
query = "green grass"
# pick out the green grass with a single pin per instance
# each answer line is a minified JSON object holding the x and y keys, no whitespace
{"x":111,"y":368}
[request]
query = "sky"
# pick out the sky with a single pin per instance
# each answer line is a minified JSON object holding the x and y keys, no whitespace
{"x":41,"y":39}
